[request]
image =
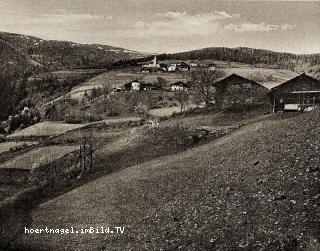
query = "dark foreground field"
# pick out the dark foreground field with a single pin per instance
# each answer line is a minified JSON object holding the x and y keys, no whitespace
{"x":254,"y":189}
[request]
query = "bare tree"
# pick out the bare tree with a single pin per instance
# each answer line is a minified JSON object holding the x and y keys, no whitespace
{"x":106,"y":93}
{"x":182,"y":96}
{"x":203,"y":83}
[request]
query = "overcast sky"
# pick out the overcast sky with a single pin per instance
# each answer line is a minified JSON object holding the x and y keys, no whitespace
{"x":169,"y":25}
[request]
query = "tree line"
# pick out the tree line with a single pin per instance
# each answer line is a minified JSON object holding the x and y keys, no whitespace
{"x":246,"y":55}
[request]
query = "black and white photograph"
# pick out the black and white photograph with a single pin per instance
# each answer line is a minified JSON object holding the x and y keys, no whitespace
{"x":140,"y":125}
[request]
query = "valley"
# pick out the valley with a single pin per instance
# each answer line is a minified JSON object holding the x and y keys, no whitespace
{"x":214,"y":149}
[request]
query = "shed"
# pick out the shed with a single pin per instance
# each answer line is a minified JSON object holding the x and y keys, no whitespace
{"x":299,"y":93}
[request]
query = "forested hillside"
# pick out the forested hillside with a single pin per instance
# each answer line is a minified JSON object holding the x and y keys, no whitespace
{"x":20,"y":53}
{"x":249,"y":56}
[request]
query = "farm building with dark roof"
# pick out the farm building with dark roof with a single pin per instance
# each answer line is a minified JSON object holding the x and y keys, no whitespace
{"x":236,"y":92}
{"x":299,"y":93}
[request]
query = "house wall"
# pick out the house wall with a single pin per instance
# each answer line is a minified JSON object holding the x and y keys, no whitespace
{"x":135,"y":86}
{"x":172,"y":68}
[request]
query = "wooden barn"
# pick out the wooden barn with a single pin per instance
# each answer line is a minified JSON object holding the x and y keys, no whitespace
{"x":236,"y":92}
{"x":297,"y":94}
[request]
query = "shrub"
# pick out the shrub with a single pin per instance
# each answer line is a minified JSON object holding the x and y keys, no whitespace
{"x":38,"y":177}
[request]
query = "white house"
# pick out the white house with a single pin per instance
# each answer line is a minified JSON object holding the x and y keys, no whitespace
{"x":172,"y":67}
{"x":179,"y":86}
{"x":212,"y":67}
{"x":135,"y":86}
{"x":194,"y":64}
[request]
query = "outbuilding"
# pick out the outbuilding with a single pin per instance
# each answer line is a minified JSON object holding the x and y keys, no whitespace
{"x":297,"y":94}
{"x":236,"y":92}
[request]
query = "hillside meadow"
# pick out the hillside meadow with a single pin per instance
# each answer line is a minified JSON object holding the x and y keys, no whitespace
{"x":243,"y":191}
{"x":28,"y":159}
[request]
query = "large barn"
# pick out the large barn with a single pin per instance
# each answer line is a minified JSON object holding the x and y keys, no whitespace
{"x":299,"y":93}
{"x":236,"y":92}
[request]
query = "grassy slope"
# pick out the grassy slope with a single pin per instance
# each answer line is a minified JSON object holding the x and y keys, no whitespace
{"x":49,"y":153}
{"x":6,"y":146}
{"x":257,"y":187}
{"x":46,"y":128}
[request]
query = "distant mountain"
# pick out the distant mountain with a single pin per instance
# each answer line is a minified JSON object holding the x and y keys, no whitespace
{"x":249,"y":56}
{"x":12,"y":60}
{"x":20,"y":53}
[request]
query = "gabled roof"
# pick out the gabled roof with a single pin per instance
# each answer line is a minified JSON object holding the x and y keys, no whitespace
{"x":183,"y":64}
{"x":236,"y":76}
{"x":301,"y":77}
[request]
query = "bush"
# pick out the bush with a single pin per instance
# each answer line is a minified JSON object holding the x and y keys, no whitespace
{"x":38,"y":177}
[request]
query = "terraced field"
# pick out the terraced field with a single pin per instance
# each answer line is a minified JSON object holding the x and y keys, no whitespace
{"x":27,"y":160}
{"x":46,"y":129}
{"x":6,"y":146}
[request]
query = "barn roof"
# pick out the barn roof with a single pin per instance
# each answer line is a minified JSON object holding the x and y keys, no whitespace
{"x":303,"y":78}
{"x":237,"y":77}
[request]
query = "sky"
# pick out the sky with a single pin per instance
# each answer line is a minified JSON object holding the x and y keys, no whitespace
{"x":169,"y":25}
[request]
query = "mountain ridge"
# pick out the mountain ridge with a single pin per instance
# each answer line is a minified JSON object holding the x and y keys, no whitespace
{"x":54,"y":54}
{"x":253,"y":56}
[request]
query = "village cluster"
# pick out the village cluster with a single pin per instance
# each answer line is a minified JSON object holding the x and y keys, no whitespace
{"x":156,"y":67}
{"x":297,"y":94}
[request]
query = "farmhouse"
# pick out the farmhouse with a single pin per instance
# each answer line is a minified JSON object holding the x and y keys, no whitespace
{"x":194,"y":64}
{"x":183,"y":66}
{"x":235,"y":91}
{"x":179,"y":86}
{"x":172,"y":67}
{"x":150,"y":87}
{"x":140,"y":86}
{"x":163,"y":66}
{"x":145,"y":70}
{"x":212,"y":67}
{"x":299,"y":93}
{"x":133,"y":86}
